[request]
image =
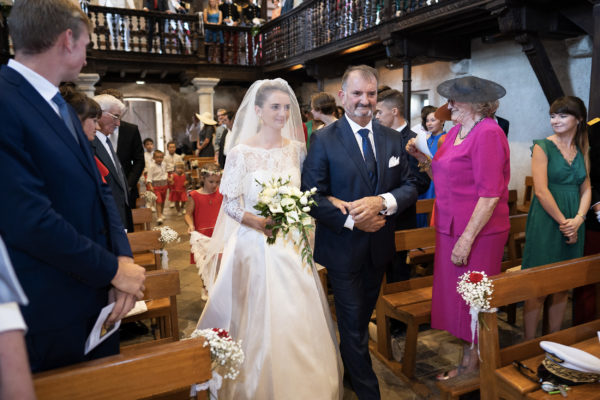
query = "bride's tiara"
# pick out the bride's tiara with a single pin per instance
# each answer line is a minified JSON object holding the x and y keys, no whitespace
{"x":211,"y":172}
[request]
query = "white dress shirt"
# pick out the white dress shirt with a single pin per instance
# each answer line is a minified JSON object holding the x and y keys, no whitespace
{"x":11,"y":318}
{"x":171,"y":160}
{"x":114,"y":138}
{"x":156,"y":172}
{"x":390,"y":200}
{"x":42,"y":85}
{"x":103,"y":139}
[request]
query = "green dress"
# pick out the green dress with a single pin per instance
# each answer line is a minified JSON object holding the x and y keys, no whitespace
{"x":544,"y":243}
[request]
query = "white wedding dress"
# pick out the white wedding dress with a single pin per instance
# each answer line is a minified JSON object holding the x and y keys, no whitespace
{"x":268,"y":297}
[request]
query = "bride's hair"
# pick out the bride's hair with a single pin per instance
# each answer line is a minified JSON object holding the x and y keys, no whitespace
{"x":266,"y":89}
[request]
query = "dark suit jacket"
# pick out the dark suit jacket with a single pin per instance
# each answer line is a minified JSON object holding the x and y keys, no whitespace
{"x":594,"y":138}
{"x":504,"y":124}
{"x":59,"y":221}
{"x":162,"y":5}
{"x":119,"y":193}
{"x":408,"y":218}
{"x":335,"y":166}
{"x":131,"y":155}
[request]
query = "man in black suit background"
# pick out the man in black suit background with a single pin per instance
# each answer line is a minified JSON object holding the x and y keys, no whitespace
{"x":390,"y":113}
{"x":127,"y":142}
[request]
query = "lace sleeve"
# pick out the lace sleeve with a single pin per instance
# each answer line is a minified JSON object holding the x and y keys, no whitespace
{"x":233,"y":208}
{"x":301,"y":154}
{"x":235,"y":170}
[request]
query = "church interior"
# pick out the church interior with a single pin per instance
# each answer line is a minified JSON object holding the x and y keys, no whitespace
{"x":170,"y":67}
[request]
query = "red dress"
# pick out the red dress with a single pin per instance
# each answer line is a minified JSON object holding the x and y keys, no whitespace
{"x":177,"y":190}
{"x":206,"y":211}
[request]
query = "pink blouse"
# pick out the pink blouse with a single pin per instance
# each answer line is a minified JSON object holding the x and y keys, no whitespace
{"x":478,"y":167}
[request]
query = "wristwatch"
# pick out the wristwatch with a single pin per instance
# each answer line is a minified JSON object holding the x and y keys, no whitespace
{"x":383,"y":204}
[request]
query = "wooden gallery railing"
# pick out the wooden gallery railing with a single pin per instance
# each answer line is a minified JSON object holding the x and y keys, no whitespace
{"x":310,"y":26}
{"x":119,"y":29}
{"x":318,"y":23}
{"x":135,"y":31}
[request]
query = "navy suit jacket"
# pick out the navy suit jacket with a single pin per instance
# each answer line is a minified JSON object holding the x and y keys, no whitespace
{"x":58,"y":220}
{"x":336,"y":167}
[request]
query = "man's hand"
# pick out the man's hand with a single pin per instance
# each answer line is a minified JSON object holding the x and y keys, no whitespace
{"x":130,"y":277}
{"x":371,"y":225}
{"x":124,"y":302}
{"x":366,"y":208}
{"x":341,"y":205}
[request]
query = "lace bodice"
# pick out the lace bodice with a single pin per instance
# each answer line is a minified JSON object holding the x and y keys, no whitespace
{"x":246,"y":165}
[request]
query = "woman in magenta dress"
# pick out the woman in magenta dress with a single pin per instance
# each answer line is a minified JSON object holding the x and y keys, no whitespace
{"x":471,"y":172}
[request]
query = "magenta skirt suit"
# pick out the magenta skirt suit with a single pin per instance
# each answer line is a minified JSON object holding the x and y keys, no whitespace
{"x":478,"y":167}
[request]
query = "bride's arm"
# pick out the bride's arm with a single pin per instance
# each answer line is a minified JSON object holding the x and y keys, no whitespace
{"x":232,"y":207}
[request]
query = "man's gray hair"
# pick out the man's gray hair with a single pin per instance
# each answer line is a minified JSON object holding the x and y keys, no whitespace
{"x":107,"y":102}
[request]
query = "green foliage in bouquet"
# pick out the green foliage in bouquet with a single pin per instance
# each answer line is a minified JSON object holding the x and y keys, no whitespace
{"x":288,"y":207}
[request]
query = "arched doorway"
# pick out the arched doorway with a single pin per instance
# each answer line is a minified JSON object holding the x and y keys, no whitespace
{"x":147,"y":114}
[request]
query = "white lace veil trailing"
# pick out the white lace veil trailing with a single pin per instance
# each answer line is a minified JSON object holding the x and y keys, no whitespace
{"x":207,"y":251}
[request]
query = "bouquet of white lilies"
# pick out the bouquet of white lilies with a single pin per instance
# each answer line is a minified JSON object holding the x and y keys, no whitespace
{"x":288,"y":208}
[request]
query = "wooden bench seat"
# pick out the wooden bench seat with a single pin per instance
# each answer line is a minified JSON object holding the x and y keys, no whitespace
{"x":513,"y":384}
{"x":452,"y":389}
{"x":407,"y":301}
{"x":160,"y":294}
{"x":410,"y":301}
{"x":142,"y":219}
{"x":519,"y":286}
{"x":138,"y":374}
{"x":409,"y":297}
{"x":143,"y":244}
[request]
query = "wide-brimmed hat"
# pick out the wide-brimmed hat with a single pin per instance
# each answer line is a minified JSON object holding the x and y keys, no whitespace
{"x":206,"y":118}
{"x":471,"y":89}
{"x":442,"y":113}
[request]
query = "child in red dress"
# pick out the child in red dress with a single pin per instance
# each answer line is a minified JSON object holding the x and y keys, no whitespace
{"x":177,"y":183}
{"x":202,"y":211}
{"x":157,"y":182}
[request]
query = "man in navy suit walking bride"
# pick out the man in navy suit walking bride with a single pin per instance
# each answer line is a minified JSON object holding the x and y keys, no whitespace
{"x":361,"y":173}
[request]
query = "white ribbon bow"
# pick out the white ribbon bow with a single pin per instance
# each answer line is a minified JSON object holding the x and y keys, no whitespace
{"x":213,"y":385}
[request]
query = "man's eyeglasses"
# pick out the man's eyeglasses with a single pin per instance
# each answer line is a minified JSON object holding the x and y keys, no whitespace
{"x":115,"y":117}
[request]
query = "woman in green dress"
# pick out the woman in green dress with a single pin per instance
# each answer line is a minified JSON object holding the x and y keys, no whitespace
{"x":555,"y":225}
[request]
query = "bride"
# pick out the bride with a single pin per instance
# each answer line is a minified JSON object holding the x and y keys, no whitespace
{"x":265,"y":294}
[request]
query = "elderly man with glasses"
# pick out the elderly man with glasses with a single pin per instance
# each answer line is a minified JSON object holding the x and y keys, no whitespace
{"x":112,"y":109}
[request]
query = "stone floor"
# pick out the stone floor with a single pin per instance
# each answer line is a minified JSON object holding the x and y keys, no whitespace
{"x":437,"y":350}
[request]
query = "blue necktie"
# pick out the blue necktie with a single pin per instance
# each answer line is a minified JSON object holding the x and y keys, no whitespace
{"x":369,"y":157}
{"x":63,"y":109}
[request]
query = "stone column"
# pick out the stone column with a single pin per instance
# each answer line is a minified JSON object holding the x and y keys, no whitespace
{"x":86,"y":82}
{"x":205,"y":89}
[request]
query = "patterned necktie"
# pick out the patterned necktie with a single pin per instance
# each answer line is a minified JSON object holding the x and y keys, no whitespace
{"x":63,"y":109}
{"x":369,"y":157}
{"x":120,"y":173}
